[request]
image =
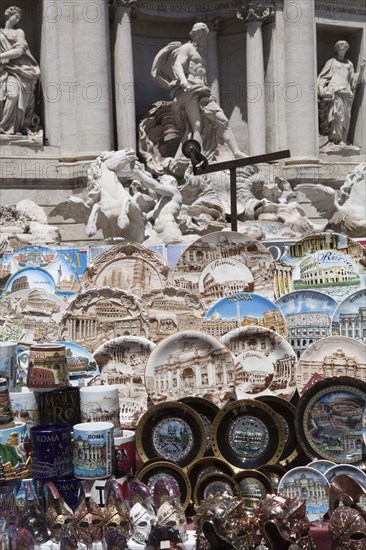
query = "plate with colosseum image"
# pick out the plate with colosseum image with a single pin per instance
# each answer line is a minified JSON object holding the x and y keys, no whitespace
{"x":265,"y":362}
{"x":306,"y":483}
{"x":34,"y":314}
{"x":328,"y":262}
{"x":190,"y":364}
{"x":331,"y":356}
{"x":122,"y":362}
{"x":223,"y":263}
{"x":242,"y":310}
{"x":131,"y":267}
{"x":349,"y":319}
{"x":172,"y":310}
{"x":308,"y":317}
{"x":100,"y":314}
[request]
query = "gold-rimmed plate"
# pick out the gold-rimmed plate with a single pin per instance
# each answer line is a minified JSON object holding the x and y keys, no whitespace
{"x":215,"y":484}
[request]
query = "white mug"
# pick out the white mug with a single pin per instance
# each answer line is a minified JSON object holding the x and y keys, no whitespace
{"x":8,"y":363}
{"x":93,"y":450}
{"x":100,"y":404}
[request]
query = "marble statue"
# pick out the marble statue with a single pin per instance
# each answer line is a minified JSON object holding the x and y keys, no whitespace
{"x":337,"y":83}
{"x":345,"y":209}
{"x":26,"y":224}
{"x":109,"y":206}
{"x":193,"y":113}
{"x":19,"y":73}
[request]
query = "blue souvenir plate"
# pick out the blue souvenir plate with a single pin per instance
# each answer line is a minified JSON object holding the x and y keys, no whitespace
{"x":305,"y":483}
{"x":348,"y":470}
{"x":321,"y":466}
{"x":349,"y":317}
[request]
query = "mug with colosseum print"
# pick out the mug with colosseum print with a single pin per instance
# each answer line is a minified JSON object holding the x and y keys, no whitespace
{"x":47,"y":367}
{"x":51,"y":450}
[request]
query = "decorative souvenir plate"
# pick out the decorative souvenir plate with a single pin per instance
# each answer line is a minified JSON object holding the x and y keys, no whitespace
{"x":348,"y":318}
{"x":80,"y":362}
{"x":207,"y":411}
{"x":321,"y":466}
{"x":215,"y":484}
{"x":329,"y":262}
{"x":286,"y":412}
{"x":35,"y":313}
{"x":172,"y":310}
{"x":29,"y":278}
{"x":155,"y":470}
{"x":190,"y":364}
{"x":100,"y":314}
{"x":331,"y":356}
{"x":224,"y":263}
{"x":265,"y":362}
{"x":241,"y":310}
{"x":305,"y":483}
{"x":274,"y":472}
{"x":254,"y":486}
{"x":208,"y":465}
{"x":173,"y":431}
{"x":122,"y":361}
{"x":131,"y":267}
{"x":348,"y":470}
{"x":328,"y":419}
{"x":308,"y":317}
{"x":247,"y":434}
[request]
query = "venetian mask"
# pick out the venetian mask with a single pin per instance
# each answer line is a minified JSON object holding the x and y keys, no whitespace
{"x":173,"y":515}
{"x":89,"y":521}
{"x":142,"y":520}
{"x":58,"y":514}
{"x":32,"y":517}
{"x":116,"y":514}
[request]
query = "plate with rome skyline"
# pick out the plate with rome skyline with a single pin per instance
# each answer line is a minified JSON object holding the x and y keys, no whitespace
{"x":242,"y":310}
{"x":223,"y":263}
{"x":349,"y":319}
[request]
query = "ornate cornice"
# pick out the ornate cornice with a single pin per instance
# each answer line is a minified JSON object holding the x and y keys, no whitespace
{"x":256,"y":13}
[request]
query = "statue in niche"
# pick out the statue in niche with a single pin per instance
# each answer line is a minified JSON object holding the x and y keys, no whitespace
{"x":19,"y":73}
{"x":337,"y":83}
{"x":193,"y":112}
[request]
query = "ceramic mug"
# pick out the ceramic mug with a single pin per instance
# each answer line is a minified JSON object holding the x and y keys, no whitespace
{"x":51,"y":450}
{"x":6,"y":413}
{"x":8,"y":363}
{"x":47,"y":367}
{"x":125,"y":454}
{"x":100,"y":404}
{"x":25,"y":407}
{"x":61,"y":405}
{"x":14,"y":434}
{"x":93,"y":450}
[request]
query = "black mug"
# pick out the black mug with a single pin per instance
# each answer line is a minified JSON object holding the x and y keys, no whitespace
{"x":61,"y":405}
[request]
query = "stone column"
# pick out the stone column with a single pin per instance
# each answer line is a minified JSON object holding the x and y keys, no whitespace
{"x":124,"y":83}
{"x":299,"y":91}
{"x":212,"y":57}
{"x":76,"y":80}
{"x":254,"y":16}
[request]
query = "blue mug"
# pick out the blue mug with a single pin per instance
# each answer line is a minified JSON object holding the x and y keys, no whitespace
{"x":51,"y":451}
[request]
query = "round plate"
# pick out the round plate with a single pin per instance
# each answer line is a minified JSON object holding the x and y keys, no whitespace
{"x":331,"y":356}
{"x":122,"y":361}
{"x":80,"y":362}
{"x":172,"y":310}
{"x":348,"y":470}
{"x":348,"y":318}
{"x":308,"y":317}
{"x":208,"y":465}
{"x":190,"y":364}
{"x":329,"y":262}
{"x":274,"y":472}
{"x":321,"y":466}
{"x":265,"y":362}
{"x":286,"y":412}
{"x":223,"y":263}
{"x":100,"y":314}
{"x":35,"y":314}
{"x":214,"y":484}
{"x":207,"y":411}
{"x":130,"y":266}
{"x":306,"y":483}
{"x":328,"y":419}
{"x":173,"y":431}
{"x":247,"y":434}
{"x":254,"y":486}
{"x":155,"y":470}
{"x":240,"y":310}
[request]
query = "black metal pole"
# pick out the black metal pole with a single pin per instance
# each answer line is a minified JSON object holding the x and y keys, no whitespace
{"x":233,"y":203}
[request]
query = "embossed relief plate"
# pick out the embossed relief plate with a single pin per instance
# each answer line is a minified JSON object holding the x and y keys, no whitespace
{"x":328,"y":420}
{"x":122,"y":361}
{"x":247,"y":434}
{"x":190,"y":364}
{"x":100,"y":314}
{"x":36,"y":313}
{"x":155,"y":470}
{"x":215,"y":484}
{"x":223,"y":263}
{"x":265,"y":362}
{"x":172,"y":310}
{"x":207,"y":411}
{"x":131,"y":267}
{"x":329,"y":262}
{"x":306,"y":483}
{"x":242,"y":310}
{"x":286,"y":412}
{"x":348,"y":317}
{"x":173,"y":431}
{"x":331,"y":356}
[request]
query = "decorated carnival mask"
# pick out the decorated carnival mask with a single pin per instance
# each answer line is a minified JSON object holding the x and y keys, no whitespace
{"x":173,"y":515}
{"x":89,"y":519}
{"x":142,"y":519}
{"x":58,"y":514}
{"x":116,"y":511}
{"x":32,"y":516}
